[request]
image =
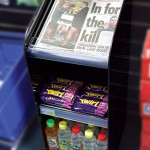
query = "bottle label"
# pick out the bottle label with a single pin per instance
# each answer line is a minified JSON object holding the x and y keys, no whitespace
{"x":52,"y":142}
{"x":86,"y":148}
{"x":75,"y":147}
{"x":63,"y":144}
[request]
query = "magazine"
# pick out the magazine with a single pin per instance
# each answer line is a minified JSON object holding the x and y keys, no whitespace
{"x":84,"y":27}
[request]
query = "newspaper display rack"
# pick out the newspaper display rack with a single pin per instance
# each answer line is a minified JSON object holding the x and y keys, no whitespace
{"x":73,"y":39}
{"x":78,"y":32}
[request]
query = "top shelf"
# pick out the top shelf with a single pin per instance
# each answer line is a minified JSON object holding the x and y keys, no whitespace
{"x":82,"y":36}
{"x":69,"y":57}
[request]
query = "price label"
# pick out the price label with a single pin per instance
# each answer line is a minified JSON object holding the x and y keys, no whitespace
{"x":47,"y":111}
{"x":51,"y":112}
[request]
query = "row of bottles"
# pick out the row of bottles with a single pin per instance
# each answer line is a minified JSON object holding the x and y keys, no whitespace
{"x":70,"y":135}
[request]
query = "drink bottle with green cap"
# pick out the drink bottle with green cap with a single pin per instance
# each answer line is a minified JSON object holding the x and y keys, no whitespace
{"x":63,"y":135}
{"x":51,"y":134}
{"x":89,"y":141}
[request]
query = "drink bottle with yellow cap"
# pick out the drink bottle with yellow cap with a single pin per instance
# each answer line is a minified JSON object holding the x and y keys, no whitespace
{"x":95,"y":129}
{"x":89,"y":140}
{"x":63,"y":135}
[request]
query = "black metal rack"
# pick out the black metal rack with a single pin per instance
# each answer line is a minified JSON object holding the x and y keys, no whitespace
{"x":117,"y":111}
{"x":122,"y":75}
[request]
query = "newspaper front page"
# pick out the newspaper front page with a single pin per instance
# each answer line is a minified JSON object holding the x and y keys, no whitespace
{"x":84,"y":27}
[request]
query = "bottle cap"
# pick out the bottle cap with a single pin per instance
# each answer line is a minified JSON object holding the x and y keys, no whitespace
{"x":62,"y":125}
{"x":88,"y":133}
{"x":103,"y":129}
{"x":78,"y":123}
{"x":50,"y":123}
{"x":102,"y":136}
{"x":91,"y":125}
{"x":75,"y":129}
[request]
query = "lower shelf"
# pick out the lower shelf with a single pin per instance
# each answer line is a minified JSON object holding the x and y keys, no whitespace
{"x":71,"y":115}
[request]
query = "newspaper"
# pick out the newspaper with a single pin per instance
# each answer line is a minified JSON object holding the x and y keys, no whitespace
{"x":84,"y":27}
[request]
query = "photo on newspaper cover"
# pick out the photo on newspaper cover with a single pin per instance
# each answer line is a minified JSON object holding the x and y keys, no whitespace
{"x":81,"y":26}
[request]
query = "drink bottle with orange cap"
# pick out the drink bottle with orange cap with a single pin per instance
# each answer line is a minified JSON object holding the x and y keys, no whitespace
{"x":76,"y":138}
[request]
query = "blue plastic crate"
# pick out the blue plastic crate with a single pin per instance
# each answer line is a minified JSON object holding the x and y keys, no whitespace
{"x":17,"y":104}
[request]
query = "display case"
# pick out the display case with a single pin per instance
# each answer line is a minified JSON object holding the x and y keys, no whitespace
{"x":120,"y":72}
{"x":52,"y":61}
